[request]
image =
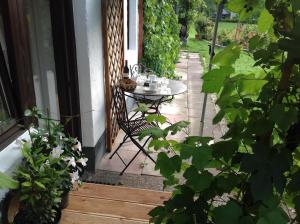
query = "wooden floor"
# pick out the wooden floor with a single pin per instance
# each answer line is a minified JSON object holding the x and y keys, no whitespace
{"x":104,"y":204}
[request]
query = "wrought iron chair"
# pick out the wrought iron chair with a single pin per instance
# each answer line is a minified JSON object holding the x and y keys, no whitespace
{"x":131,"y":126}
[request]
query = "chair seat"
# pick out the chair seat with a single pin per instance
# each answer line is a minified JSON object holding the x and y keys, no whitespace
{"x":137,"y":125}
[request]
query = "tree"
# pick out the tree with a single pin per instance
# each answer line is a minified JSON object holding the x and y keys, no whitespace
{"x":256,"y":164}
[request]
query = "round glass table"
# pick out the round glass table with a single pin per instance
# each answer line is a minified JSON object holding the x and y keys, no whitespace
{"x":174,"y":87}
{"x":154,"y":98}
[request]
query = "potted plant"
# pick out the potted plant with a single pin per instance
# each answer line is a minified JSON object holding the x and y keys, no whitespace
{"x":53,"y":163}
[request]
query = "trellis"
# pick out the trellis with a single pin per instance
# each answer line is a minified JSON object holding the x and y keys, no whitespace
{"x":113,"y":35}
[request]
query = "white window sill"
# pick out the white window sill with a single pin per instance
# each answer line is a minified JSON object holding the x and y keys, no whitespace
{"x":10,"y":158}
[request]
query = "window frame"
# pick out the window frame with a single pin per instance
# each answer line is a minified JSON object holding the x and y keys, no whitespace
{"x":18,"y":83}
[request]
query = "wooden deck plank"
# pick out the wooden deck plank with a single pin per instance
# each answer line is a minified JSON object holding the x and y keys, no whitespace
{"x":71,"y":217}
{"x":142,"y":196}
{"x":108,"y":207}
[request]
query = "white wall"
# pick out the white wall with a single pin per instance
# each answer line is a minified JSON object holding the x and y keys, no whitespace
{"x":131,"y":53}
{"x":88,"y":33}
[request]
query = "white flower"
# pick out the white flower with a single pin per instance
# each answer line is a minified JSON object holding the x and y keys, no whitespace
{"x":83,"y":161}
{"x":47,"y":162}
{"x":56,"y":152}
{"x":211,"y":142}
{"x":198,"y":144}
{"x":74,"y":176}
{"x":44,"y":139}
{"x":77,"y":147}
{"x":71,"y":161}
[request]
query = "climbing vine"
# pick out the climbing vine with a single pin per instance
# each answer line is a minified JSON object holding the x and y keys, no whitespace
{"x":252,"y":174}
{"x":161,"y":37}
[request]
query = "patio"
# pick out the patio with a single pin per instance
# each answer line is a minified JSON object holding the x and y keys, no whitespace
{"x":187,"y":106}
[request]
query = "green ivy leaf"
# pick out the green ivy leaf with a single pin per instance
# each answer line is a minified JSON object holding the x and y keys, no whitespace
{"x":166,"y":165}
{"x":265,"y":21}
{"x":229,"y":213}
{"x":198,"y":181}
{"x":214,"y":79}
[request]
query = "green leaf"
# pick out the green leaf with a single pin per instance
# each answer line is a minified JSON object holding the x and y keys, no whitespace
{"x":229,"y":213}
{"x":197,"y":181}
{"x":142,"y":108}
{"x":214,"y":79}
{"x":40,"y":185}
{"x":176,"y":127}
{"x":157,"y":118}
{"x":7,"y":182}
{"x":265,"y":21}
{"x":228,"y":56}
{"x":296,"y":201}
{"x":154,"y":132}
{"x":247,"y":220}
{"x":219,"y":116}
{"x":159,"y":144}
{"x":166,"y":165}
{"x":284,"y":117}
{"x":201,"y":157}
{"x":250,"y":87}
{"x":261,"y":185}
{"x":26,"y":184}
{"x":225,"y":149}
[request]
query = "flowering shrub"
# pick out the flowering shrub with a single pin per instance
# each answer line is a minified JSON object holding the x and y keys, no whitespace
{"x":52,"y":165}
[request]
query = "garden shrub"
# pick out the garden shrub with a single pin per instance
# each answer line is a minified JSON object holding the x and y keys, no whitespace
{"x":202,"y":24}
{"x":225,"y":38}
{"x":161,"y":37}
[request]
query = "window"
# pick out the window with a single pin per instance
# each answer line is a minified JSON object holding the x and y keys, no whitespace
{"x":16,"y":82}
{"x":6,"y":113}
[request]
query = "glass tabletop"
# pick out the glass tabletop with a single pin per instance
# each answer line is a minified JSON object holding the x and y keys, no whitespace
{"x":174,"y":87}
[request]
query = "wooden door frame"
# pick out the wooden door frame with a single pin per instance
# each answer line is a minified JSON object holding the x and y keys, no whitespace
{"x":64,"y":45}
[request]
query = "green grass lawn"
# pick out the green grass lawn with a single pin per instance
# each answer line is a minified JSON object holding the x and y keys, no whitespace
{"x":243,"y":64}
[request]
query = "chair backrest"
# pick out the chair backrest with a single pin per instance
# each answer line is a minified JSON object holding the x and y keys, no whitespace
{"x":138,"y":69}
{"x":119,"y":105}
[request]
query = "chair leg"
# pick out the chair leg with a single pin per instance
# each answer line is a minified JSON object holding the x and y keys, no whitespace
{"x":128,"y":164}
{"x":124,"y":140}
{"x":142,"y":148}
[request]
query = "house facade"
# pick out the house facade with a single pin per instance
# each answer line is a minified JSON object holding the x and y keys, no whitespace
{"x":63,"y":57}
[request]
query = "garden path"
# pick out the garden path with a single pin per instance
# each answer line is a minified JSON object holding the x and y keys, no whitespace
{"x":186,"y":106}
